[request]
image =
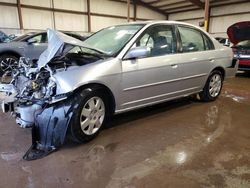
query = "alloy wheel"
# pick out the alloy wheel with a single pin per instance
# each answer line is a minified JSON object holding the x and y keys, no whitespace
{"x":8,"y":64}
{"x":215,"y":85}
{"x":92,"y":115}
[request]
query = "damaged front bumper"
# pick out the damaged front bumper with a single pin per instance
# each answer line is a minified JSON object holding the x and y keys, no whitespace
{"x":8,"y":102}
{"x":50,"y":129}
{"x":49,"y":120}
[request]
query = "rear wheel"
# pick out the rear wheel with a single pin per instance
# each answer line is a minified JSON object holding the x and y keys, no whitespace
{"x":213,"y":87}
{"x":7,"y":63}
{"x":89,"y":117}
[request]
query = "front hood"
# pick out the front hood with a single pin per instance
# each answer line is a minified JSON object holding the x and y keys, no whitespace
{"x":56,"y":45}
{"x":239,"y":32}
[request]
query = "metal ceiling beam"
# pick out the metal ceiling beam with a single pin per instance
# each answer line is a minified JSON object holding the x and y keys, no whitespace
{"x":186,"y":10}
{"x":212,"y":6}
{"x":152,"y":2}
{"x":139,"y":2}
{"x":229,"y":3}
{"x":178,"y":8}
{"x":147,"y":5}
{"x":198,"y":3}
{"x":170,"y":4}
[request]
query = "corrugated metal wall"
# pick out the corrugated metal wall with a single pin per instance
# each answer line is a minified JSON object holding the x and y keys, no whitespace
{"x":35,"y":19}
{"x":220,"y":17}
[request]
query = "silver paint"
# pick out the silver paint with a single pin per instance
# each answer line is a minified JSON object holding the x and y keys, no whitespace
{"x":169,"y":76}
{"x":128,"y":79}
{"x":92,"y":115}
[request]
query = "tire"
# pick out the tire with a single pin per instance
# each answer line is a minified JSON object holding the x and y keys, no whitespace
{"x":91,"y":114}
{"x":213,"y":87}
{"x":7,"y":63}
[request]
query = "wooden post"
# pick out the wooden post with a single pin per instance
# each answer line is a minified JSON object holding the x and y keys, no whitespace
{"x":135,"y":11}
{"x":128,"y":3}
{"x":19,"y":10}
{"x":207,"y":15}
{"x":89,"y":15}
{"x":53,"y":14}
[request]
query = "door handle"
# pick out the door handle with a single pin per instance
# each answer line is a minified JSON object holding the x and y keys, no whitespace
{"x":174,"y":66}
{"x":211,"y":60}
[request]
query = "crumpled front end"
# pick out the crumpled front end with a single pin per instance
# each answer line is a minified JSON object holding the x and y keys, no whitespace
{"x":32,"y":99}
{"x":36,"y":96}
{"x":28,"y":92}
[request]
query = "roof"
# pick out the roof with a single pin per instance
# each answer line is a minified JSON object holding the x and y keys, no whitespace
{"x":152,"y":22}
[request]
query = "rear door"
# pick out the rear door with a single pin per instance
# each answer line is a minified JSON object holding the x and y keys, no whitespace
{"x":197,"y":57}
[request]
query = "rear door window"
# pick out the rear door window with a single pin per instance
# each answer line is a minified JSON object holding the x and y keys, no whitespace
{"x":191,"y":39}
{"x":208,"y":43}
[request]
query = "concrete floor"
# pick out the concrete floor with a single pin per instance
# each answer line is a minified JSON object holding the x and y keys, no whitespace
{"x":175,"y":144}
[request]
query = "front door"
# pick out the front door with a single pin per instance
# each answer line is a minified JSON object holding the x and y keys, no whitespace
{"x":153,"y":78}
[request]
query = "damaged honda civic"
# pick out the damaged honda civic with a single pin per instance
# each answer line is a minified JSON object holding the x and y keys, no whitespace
{"x":74,"y":86}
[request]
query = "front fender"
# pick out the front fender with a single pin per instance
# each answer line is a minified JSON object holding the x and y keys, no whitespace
{"x":106,"y":72}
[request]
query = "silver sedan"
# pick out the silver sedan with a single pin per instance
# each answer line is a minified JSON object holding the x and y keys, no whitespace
{"x":76,"y":85}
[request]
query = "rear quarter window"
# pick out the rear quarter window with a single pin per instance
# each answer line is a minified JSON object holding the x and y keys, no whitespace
{"x":193,"y":40}
{"x":208,"y":43}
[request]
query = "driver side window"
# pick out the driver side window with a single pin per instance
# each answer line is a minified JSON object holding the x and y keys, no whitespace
{"x":160,"y":39}
{"x":145,"y":41}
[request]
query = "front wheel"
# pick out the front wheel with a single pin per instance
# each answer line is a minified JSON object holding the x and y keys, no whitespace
{"x":7,"y":63}
{"x":213,"y":86}
{"x":89,"y":117}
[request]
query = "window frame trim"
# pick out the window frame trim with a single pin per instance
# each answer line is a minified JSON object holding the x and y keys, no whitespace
{"x":143,"y":33}
{"x":203,"y":34}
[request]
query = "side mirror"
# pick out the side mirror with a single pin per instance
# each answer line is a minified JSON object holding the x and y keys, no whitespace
{"x":32,"y":41}
{"x":138,"y":52}
{"x":11,"y":36}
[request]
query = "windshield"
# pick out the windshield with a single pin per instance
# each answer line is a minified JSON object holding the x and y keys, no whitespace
{"x":111,"y":40}
{"x":244,"y":44}
{"x":85,"y":51}
{"x":22,"y":37}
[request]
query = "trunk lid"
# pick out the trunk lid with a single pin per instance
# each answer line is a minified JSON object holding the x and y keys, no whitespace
{"x":239,"y":32}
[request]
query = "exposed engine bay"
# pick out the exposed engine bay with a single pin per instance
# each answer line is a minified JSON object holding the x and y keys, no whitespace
{"x":32,"y":95}
{"x":33,"y":88}
{"x":29,"y":90}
